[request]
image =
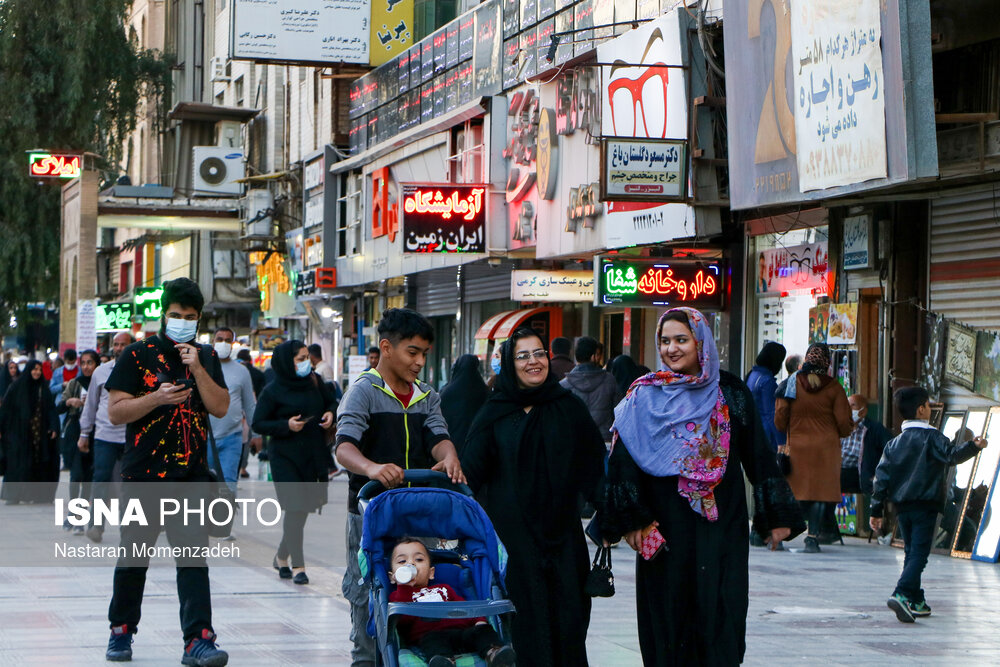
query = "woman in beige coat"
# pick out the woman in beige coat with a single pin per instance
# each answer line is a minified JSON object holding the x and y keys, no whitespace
{"x":813,"y":410}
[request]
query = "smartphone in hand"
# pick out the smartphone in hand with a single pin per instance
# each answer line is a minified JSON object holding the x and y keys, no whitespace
{"x":184,"y":383}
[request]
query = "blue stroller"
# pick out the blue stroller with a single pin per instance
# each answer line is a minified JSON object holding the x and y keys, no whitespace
{"x":476,"y":569}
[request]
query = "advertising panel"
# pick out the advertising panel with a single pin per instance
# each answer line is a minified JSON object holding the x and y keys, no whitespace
{"x":86,"y":324}
{"x":392,"y":30}
{"x":444,"y":217}
{"x":113,"y":317}
{"x":301,"y":31}
{"x":659,"y":282}
{"x":643,"y":169}
{"x":801,"y":267}
{"x":562,"y":286}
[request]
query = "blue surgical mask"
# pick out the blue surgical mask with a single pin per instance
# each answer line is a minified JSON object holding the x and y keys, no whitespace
{"x":181,"y":331}
{"x":303,"y":368}
{"x":495,"y":365}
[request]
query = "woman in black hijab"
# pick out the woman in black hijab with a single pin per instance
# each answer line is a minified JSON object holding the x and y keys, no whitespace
{"x":296,"y":409}
{"x":81,"y":464}
{"x":29,"y":449}
{"x":7,"y":377}
{"x":626,"y":371}
{"x":462,"y":397}
{"x":535,"y":449}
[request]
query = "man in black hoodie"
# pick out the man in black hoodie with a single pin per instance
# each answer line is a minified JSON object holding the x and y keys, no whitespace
{"x":911,"y":476}
{"x":593,"y":385}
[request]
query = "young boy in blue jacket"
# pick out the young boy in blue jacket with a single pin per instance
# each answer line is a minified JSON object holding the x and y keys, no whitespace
{"x":911,"y":476}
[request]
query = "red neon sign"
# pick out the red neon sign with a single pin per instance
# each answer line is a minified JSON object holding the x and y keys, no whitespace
{"x":660,"y":282}
{"x":384,"y":215}
{"x":46,"y":165}
{"x":444,"y":218}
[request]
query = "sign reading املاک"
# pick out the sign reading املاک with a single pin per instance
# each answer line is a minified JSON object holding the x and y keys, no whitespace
{"x":46,"y":165}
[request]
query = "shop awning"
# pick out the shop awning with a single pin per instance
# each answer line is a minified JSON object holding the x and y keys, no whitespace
{"x":517,"y":318}
{"x":485,"y":332}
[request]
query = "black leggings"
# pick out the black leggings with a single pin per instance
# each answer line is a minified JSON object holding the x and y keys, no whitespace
{"x":292,"y":535}
{"x":814,"y":511}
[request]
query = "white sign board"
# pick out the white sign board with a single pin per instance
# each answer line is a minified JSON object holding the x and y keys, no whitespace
{"x":314,"y":31}
{"x":86,"y":325}
{"x":839,"y":93}
{"x":643,"y":169}
{"x":631,"y":223}
{"x":356,"y":365}
{"x":644,"y":100}
{"x":552,"y":286}
{"x":857,"y":242}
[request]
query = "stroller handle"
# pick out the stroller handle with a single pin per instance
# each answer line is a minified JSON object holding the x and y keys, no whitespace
{"x":415,"y":476}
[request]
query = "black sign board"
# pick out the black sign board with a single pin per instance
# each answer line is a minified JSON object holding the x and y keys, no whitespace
{"x":660,"y":283}
{"x":440,"y":42}
{"x":403,"y":71}
{"x":546,"y":8}
{"x":452,"y":33}
{"x":444,"y":217}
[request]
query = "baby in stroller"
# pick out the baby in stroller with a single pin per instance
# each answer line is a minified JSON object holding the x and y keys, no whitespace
{"x":441,"y":639}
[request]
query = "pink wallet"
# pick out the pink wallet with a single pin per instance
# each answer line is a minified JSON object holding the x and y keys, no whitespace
{"x":652,"y":543}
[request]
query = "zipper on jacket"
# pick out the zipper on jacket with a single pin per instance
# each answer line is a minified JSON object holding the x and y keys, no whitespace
{"x":406,"y":411}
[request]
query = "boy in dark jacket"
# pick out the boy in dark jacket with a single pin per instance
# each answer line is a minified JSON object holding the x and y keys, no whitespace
{"x":911,"y":475}
{"x":439,"y":639}
{"x":388,"y":421}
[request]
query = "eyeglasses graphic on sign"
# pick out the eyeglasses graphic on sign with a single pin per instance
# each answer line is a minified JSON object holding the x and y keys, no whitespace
{"x":639,"y":102}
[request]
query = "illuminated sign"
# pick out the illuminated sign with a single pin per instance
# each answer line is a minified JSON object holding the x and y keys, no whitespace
{"x":274,"y":282}
{"x":147,"y":302}
{"x":385,"y":218}
{"x":114,"y":317}
{"x":659,"y":282}
{"x":444,"y":218}
{"x":46,"y":165}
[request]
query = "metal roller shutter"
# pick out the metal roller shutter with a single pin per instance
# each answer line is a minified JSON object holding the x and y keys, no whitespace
{"x":437,"y":292}
{"x":482,"y":282}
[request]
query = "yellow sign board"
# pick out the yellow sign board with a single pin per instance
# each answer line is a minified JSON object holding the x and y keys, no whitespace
{"x":392,"y":30}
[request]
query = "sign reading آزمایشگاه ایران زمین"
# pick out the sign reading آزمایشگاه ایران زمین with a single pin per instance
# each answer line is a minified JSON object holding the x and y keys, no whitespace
{"x":447,"y":218}
{"x":660,"y":283}
{"x":48,"y":165}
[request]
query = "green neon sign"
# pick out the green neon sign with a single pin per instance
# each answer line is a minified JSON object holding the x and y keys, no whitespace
{"x":114,"y":317}
{"x":147,"y":302}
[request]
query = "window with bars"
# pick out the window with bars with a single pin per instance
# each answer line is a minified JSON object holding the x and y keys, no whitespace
{"x":349,"y":215}
{"x":468,"y":163}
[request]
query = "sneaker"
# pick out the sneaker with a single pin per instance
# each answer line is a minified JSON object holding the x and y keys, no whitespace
{"x":120,"y":644}
{"x":95,"y":534}
{"x":899,"y":604}
{"x":203,"y":652}
{"x":812,"y":546}
{"x":501,"y":656}
{"x":920,"y":609}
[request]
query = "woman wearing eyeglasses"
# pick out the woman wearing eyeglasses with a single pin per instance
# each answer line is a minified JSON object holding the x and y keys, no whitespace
{"x":532,"y":451}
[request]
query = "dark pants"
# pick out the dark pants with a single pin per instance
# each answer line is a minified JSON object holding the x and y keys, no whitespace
{"x":292,"y":535}
{"x":106,"y":455}
{"x":815,"y":514}
{"x":130,"y":572}
{"x":454,"y":641}
{"x":916,"y":527}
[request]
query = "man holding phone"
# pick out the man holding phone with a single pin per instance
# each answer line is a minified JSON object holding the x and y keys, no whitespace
{"x":164,"y":388}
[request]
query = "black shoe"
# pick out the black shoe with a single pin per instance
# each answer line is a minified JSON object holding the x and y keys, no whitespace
{"x":284,"y":571}
{"x":830,"y":538}
{"x":899,"y":604}
{"x":244,"y":474}
{"x":202,"y":652}
{"x":812,"y":546}
{"x":300,"y":579}
{"x":920,"y":609}
{"x":501,"y":656}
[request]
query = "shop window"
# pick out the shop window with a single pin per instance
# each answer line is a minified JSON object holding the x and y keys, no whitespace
{"x":468,"y":162}
{"x":350,"y":215}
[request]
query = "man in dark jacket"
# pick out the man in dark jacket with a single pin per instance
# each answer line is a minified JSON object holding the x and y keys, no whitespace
{"x":560,"y":364}
{"x":858,"y":464}
{"x":593,"y":385}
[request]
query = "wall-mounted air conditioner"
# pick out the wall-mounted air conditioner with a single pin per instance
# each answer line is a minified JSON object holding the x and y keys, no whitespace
{"x":217,"y":67}
{"x":216,"y":170}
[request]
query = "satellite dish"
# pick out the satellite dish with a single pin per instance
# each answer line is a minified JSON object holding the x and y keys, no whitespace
{"x":213,"y":171}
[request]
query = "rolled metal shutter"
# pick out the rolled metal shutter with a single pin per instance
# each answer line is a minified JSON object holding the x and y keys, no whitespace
{"x":482,"y":282}
{"x":437,"y":292}
{"x":965,"y":267}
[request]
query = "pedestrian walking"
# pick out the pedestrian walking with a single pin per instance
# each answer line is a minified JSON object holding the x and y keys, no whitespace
{"x":626,"y":371}
{"x":811,"y":408}
{"x":29,"y":445}
{"x":164,"y":388}
{"x":228,"y":430}
{"x":7,"y":378}
{"x":61,"y":372}
{"x":593,"y":385}
{"x":256,"y":375}
{"x":793,"y":363}
{"x":81,"y":464}
{"x":462,"y":397}
{"x":873,"y":437}
{"x":911,"y":476}
{"x":98,"y":436}
{"x":535,"y":450}
{"x":296,"y":410}
{"x":685,"y":436}
{"x":561,"y":362}
{"x":387,"y":422}
{"x":762,"y":384}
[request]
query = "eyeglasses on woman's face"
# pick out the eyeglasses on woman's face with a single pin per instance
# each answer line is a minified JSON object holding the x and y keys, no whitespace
{"x":534,"y":354}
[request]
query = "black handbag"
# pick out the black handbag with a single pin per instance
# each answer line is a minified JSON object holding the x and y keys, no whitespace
{"x":784,"y":461}
{"x":600,"y":579}
{"x":218,"y":490}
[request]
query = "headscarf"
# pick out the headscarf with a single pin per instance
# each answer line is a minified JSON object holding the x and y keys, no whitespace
{"x":814,"y":374}
{"x":626,"y":371}
{"x":84,"y":380}
{"x":771,"y":357}
{"x":677,"y":424}
{"x":283,"y":365}
{"x":462,"y":397}
{"x":5,"y":377}
{"x":27,"y":391}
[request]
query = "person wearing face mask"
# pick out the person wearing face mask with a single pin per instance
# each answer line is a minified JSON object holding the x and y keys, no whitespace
{"x":29,"y":450}
{"x":494,"y":367}
{"x":296,"y":410}
{"x":462,"y":397}
{"x":164,"y":388}
{"x":228,"y":430}
{"x":81,"y":464}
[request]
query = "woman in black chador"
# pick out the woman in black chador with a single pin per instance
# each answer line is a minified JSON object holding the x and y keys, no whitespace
{"x":29,"y":449}
{"x":676,"y":494}
{"x":532,"y":451}
{"x":462,"y":397}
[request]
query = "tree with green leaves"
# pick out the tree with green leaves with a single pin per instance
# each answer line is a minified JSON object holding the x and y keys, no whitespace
{"x":69,"y":80}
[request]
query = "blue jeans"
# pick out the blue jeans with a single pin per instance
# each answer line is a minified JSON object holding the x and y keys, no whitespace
{"x":917,"y":530}
{"x":230,"y":450}
{"x":106,"y":455}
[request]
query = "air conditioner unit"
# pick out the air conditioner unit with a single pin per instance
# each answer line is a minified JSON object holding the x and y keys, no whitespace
{"x":258,"y":206}
{"x":229,"y":133}
{"x":216,"y":170}
{"x":217,"y":66}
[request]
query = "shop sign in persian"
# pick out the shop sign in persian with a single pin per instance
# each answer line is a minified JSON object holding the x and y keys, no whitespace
{"x":659,"y":282}
{"x":113,"y":317}
{"x":643,"y":170}
{"x":444,"y":218}
{"x":147,"y":303}
{"x":801,"y":267}
{"x":960,"y":356}
{"x":301,"y":31}
{"x":839,"y":92}
{"x":842,"y":324}
{"x":86,"y":324}
{"x":639,"y":223}
{"x":392,"y":30}
{"x":858,"y":242}
{"x":552,"y":286}
{"x":46,"y":165}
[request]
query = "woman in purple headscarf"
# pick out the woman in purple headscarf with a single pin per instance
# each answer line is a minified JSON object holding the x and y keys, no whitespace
{"x":676,"y":495}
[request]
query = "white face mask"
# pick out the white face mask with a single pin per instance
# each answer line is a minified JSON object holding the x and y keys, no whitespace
{"x":303,"y":368}
{"x":856,"y":414}
{"x":71,"y":366}
{"x":181,"y":331}
{"x":224,"y":350}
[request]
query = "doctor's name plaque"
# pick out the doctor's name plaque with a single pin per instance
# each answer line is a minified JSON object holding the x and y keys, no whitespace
{"x":441,"y":217}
